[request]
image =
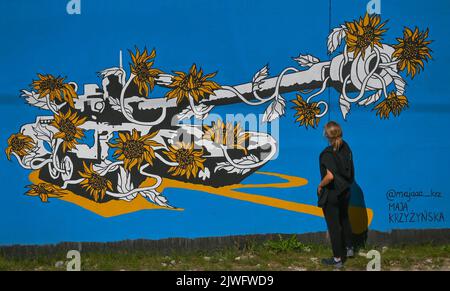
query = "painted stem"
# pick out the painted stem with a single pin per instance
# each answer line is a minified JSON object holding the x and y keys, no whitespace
{"x":324,"y":86}
{"x":156,"y":185}
{"x":388,"y":65}
{"x":71,"y":182}
{"x":194,"y":109}
{"x":383,"y":83}
{"x":162,"y":159}
{"x":55,"y":151}
{"x":130,"y":118}
{"x":109,"y":167}
{"x":325,"y":111}
{"x":311,"y":78}
{"x":49,"y":105}
{"x":366,"y":79}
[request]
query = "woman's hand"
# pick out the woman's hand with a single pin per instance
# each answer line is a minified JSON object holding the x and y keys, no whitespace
{"x":319,"y":190}
{"x":325,"y":181}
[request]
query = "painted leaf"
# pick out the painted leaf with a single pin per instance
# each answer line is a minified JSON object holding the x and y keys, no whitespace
{"x":187,"y":113}
{"x":200,"y":108}
{"x":229,"y":168}
{"x":115,"y":104}
{"x":156,"y":198}
{"x":43,"y":133}
{"x":306,"y":60}
{"x":259,"y":77}
{"x":204,"y":174}
{"x":399,"y":82}
{"x":275,"y":110}
{"x":115,"y":71}
{"x":344,"y":105}
{"x":33,"y":99}
{"x":100,"y":168}
{"x":400,"y":85}
{"x":335,"y":38}
{"x":124,"y":184}
{"x":371,"y":99}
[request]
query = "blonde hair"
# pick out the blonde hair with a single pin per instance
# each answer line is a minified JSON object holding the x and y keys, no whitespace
{"x":333,"y":132}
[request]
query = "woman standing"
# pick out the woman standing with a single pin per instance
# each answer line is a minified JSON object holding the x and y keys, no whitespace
{"x":337,"y":173}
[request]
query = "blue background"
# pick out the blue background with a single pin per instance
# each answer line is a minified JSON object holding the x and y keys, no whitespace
{"x":236,"y":38}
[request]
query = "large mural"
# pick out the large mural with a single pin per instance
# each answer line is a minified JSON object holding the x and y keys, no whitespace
{"x":120,"y":145}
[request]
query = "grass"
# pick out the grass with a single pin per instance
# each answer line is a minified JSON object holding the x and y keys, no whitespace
{"x":281,"y":254}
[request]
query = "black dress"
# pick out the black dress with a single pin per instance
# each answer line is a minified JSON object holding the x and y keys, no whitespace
{"x":334,"y":198}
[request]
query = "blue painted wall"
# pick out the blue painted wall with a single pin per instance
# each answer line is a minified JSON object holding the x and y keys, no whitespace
{"x":235,"y":37}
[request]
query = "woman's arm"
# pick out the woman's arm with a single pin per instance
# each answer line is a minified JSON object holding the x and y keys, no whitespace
{"x":325,"y":181}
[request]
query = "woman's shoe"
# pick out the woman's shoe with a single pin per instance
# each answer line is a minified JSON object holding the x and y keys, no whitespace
{"x":332,"y":262}
{"x":350,"y":253}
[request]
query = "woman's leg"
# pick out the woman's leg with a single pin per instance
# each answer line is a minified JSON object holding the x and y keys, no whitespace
{"x":331,"y":213}
{"x":347,"y":233}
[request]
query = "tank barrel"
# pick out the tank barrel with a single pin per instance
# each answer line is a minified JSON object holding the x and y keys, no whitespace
{"x":309,"y":79}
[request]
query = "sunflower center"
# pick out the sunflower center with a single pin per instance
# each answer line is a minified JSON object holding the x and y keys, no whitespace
{"x":189,"y":83}
{"x":69,"y":129}
{"x":184,"y":158}
{"x":98,"y":182}
{"x":133,"y":149}
{"x":17,"y":144}
{"x":393,"y":103}
{"x":142,"y":71}
{"x":366,"y":38}
{"x":411,"y":51}
{"x":50,"y":84}
{"x":310,"y":112}
{"x":41,"y":189}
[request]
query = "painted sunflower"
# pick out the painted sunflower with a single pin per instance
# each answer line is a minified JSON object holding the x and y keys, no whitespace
{"x":55,"y":88}
{"x":392,"y":104}
{"x":226,"y":134}
{"x":363,"y":33}
{"x":306,"y":112}
{"x":142,"y":68}
{"x":193,"y":83}
{"x":94,"y":183}
{"x":20,"y":144}
{"x":44,"y":191}
{"x":68,"y":126}
{"x":133,"y":148}
{"x":189,"y":160}
{"x":412,"y":50}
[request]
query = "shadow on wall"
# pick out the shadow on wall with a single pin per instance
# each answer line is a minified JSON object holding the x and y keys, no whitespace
{"x":359,"y":219}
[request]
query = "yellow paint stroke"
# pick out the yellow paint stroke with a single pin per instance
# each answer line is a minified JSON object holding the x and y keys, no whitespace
{"x":360,"y":217}
{"x":105,"y":209}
